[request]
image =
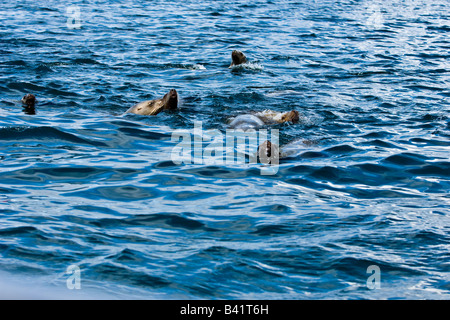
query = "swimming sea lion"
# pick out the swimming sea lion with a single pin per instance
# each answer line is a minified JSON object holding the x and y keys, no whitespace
{"x":29,"y":102}
{"x":269,"y":116}
{"x":266,"y":117}
{"x":237,"y":58}
{"x":153,"y":107}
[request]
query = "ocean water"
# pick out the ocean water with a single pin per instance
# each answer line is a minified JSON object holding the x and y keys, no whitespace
{"x":358,"y":210}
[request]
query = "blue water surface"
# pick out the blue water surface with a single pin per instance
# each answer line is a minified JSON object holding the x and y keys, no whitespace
{"x":366,"y":183}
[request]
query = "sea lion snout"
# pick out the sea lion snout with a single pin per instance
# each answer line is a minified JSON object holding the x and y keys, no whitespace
{"x":173,"y":93}
{"x":172,"y":100}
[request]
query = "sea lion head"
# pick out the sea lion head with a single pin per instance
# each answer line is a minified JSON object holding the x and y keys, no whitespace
{"x":291,"y":116}
{"x":171,"y":100}
{"x":268,"y":152}
{"x":238,"y":58}
{"x":29,"y":100}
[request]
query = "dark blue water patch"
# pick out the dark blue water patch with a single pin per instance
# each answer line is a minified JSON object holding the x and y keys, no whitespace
{"x":128,"y":256}
{"x":430,"y":118}
{"x":430,"y":142}
{"x":342,"y":149}
{"x":305,"y":183}
{"x":426,"y":126}
{"x":377,"y":175}
{"x":119,"y":274}
{"x":12,"y":191}
{"x":378,"y":135}
{"x":96,"y":209}
{"x":169,"y":180}
{"x":43,"y":69}
{"x":46,"y":175}
{"x":381,"y":194}
{"x":83,"y":61}
{"x":167,"y":164}
{"x":169,"y":220}
{"x":25,"y":268}
{"x":437,"y":169}
{"x":274,"y":209}
{"x":406,"y":159}
{"x":357,"y":267}
{"x":21,"y":63}
{"x":313,"y":155}
{"x":350,"y":176}
{"x":376,"y":168}
{"x":273,"y":230}
{"x":328,"y":173}
{"x":32,"y":236}
{"x":5,"y":212}
{"x":382,"y":144}
{"x":145,"y":135}
{"x":122,"y":123}
{"x":192,"y":195}
{"x":439,"y":28}
{"x":45,"y":133}
{"x":427,"y":237}
{"x":24,"y":87}
{"x":67,"y":174}
{"x":388,"y":105}
{"x":127,"y":193}
{"x":420,"y":88}
{"x":297,"y":170}
{"x":18,"y":231}
{"x":222,"y":172}
{"x":32,"y":255}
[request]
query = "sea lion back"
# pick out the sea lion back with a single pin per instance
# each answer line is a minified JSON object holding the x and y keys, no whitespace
{"x":147,"y":108}
{"x":246,"y":121}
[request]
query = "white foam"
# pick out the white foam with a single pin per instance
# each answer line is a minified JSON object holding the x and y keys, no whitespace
{"x":249,"y":66}
{"x":197,"y":67}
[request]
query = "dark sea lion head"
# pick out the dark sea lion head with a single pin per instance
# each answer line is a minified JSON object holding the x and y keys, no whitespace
{"x":237,"y":58}
{"x":292,"y":116}
{"x":171,"y":100}
{"x":268,"y":152}
{"x":29,"y":100}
